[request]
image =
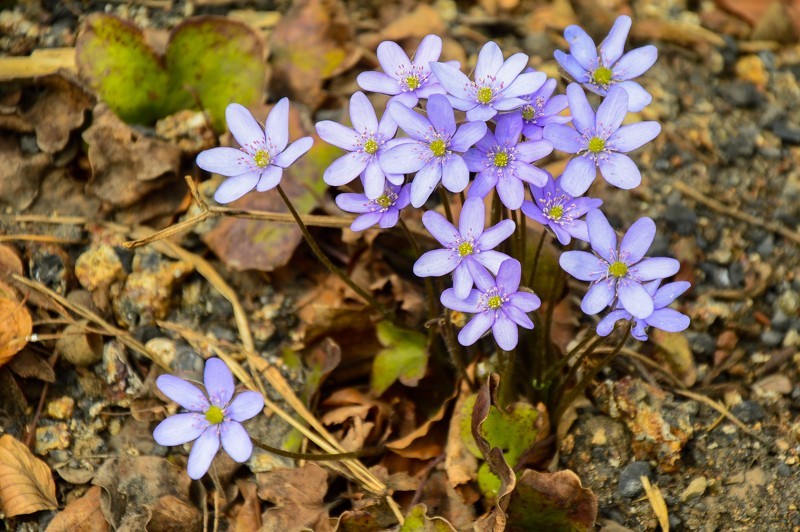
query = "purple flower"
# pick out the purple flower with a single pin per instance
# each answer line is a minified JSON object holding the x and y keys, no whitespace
{"x":598,"y":140}
{"x":553,"y":207}
{"x":263,"y":155}
{"x":406,"y":80}
{"x":208,"y":420}
{"x":542,"y":108}
{"x":497,"y":305}
{"x":366,"y":141}
{"x":500,"y":161}
{"x":433,"y":152}
{"x":466,"y":249}
{"x":497,"y":87}
{"x":663,"y":318}
{"x":618,"y":271}
{"x":600,"y":69}
{"x":384,"y":211}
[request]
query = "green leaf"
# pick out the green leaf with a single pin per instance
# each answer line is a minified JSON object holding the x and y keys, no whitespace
{"x":405,"y":357}
{"x":551,"y":501}
{"x":417,"y":521}
{"x":114,"y":59}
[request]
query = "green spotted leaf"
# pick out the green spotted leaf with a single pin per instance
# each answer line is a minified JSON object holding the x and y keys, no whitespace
{"x":404,"y":357}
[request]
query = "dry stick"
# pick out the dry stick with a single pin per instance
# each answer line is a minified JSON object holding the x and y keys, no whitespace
{"x":387,"y":314}
{"x":737,"y":214}
{"x":725,"y":412}
{"x":446,"y":204}
{"x":536,"y":256}
{"x":432,"y":307}
{"x":41,"y":238}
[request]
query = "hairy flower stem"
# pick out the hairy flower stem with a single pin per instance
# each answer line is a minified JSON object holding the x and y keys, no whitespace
{"x":448,"y":213}
{"x":536,"y":256}
{"x":372,"y":451}
{"x":590,"y":375}
{"x":388,"y":314}
{"x":433,"y":308}
{"x":497,"y":209}
{"x":507,"y":360}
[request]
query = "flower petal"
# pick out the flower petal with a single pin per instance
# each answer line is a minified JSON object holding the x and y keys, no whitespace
{"x":180,"y":429}
{"x":203,"y":452}
{"x":636,"y":62}
{"x":244,"y":128}
{"x":505,"y":332}
{"x":355,"y":203}
{"x":507,"y":103}
{"x":476,"y":328}
{"x":224,"y":161}
{"x":277,"y":128}
{"x":269,"y":179}
{"x":628,"y":138}
{"x":581,"y":46}
{"x":404,"y":158}
{"x":337,"y":135}
{"x":462,"y":281}
{"x":440,"y":115}
{"x":472,"y":219}
{"x":467,"y":135}
{"x":602,"y":235}
{"x":529,"y":173}
{"x":294,"y":151}
{"x":534,"y":150}
{"x":581,"y":265}
{"x":597,"y":298}
{"x":492,"y":236}
{"x":669,"y":320}
{"x":236,"y":441}
{"x":218,"y":380}
{"x":606,"y":325}
{"x":436,"y":262}
{"x":389,"y":218}
{"x":344,"y":169}
{"x":611,"y":112}
{"x":455,"y":175}
{"x":527,"y":83}
{"x":374,"y":179}
{"x":491,"y":260}
{"x":182,"y":392}
{"x":508,"y":129}
{"x":429,"y":49}
{"x":483,"y":280}
{"x":362,"y":114}
{"x":392,"y":58}
{"x":525,"y":301}
{"x":510,"y":71}
{"x":468,"y":304}
{"x":635,"y":299}
{"x":442,"y":230}
{"x":578,"y":175}
{"x":517,"y":316}
{"x":490,"y":59}
{"x":425,"y":183}
{"x":245,"y":405}
{"x":638,"y":98}
{"x":481,"y":113}
{"x":619,"y":170}
{"x":365,"y":221}
{"x":235,"y":187}
{"x":573,"y":68}
{"x":509,"y":276}
{"x":452,"y":79}
{"x":655,"y":268}
{"x":582,"y":113}
{"x":379,"y":82}
{"x":614,"y":44}
{"x":411,"y":122}
{"x":564,"y":138}
{"x":669,"y":292}
{"x":511,"y":191}
{"x":638,"y":240}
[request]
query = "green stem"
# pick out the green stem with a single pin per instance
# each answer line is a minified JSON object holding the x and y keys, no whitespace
{"x":536,"y":256}
{"x":507,"y":361}
{"x":318,"y":457}
{"x":388,"y":314}
{"x":523,"y":232}
{"x":433,"y":310}
{"x":446,"y":204}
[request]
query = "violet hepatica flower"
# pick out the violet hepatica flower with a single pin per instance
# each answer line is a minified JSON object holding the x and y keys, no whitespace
{"x":209,"y":420}
{"x":263,"y":155}
{"x":618,"y":272}
{"x":406,"y":80}
{"x":542,"y":108}
{"x":497,"y":84}
{"x":366,"y":141}
{"x":599,"y":141}
{"x":435,"y":150}
{"x":599,"y":69}
{"x":466,"y":249}
{"x":496,"y":304}
{"x":559,"y":211}
{"x":663,"y":318}
{"x":502,"y":161}
{"x":384,"y":210}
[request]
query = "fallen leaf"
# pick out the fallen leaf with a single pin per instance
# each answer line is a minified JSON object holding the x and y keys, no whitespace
{"x":26,"y":483}
{"x":417,"y":521}
{"x":416,"y":24}
{"x":416,"y":444}
{"x":248,"y":517}
{"x":404,"y":357}
{"x":81,"y":515}
{"x":460,"y":463}
{"x":16,"y":326}
{"x":20,"y":174}
{"x":675,"y":348}
{"x":9,"y":261}
{"x":29,"y":364}
{"x":551,"y":501}
{"x":297,"y":495}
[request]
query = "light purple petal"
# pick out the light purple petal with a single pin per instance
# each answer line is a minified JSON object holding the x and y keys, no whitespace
{"x":455,"y":175}
{"x":508,"y":104}
{"x":635,"y":299}
{"x":668,"y":320}
{"x":638,"y":98}
{"x":269,"y":179}
{"x":392,"y":58}
{"x":459,"y":103}
{"x":236,"y":441}
{"x":511,"y":191}
{"x":472,"y":219}
{"x":180,"y":429}
{"x":387,"y":127}
{"x":601,"y":235}
{"x":344,"y":169}
{"x":442,"y":230}
{"x":337,"y":135}
{"x":468,"y":304}
{"x":440,"y":115}
{"x":366,"y":221}
{"x":612,"y":46}
{"x":655,"y":268}
{"x":234,"y":188}
{"x":508,"y":129}
{"x":636,"y":62}
{"x":491,"y":260}
{"x":533,"y":212}
{"x":490,"y":59}
{"x":612,"y":112}
{"x":452,"y":79}
{"x":564,"y":138}
{"x":511,"y":70}
{"x":669,"y":292}
{"x":218,"y":380}
{"x":572,"y":67}
{"x":277,"y":128}
{"x":362,"y":114}
{"x":245,"y":405}
{"x":582,"y":113}
{"x":525,"y":84}
{"x":577,"y":229}
{"x":462,"y":281}
{"x":429,"y":49}
{"x":628,"y":138}
{"x":639,"y":330}
{"x":597,"y":298}
{"x":578,"y":175}
{"x":476,"y":328}
{"x":505,"y":332}
{"x":378,"y":82}
{"x":437,"y":262}
{"x":243,"y":126}
{"x":417,"y":126}
{"x":373,"y":179}
{"x":481,"y":113}
{"x":581,"y":46}
{"x":294,"y":151}
{"x":581,"y":265}
{"x":619,"y":170}
{"x":224,"y":161}
{"x":496,"y":234}
{"x":584,"y":205}
{"x":509,"y":275}
{"x":355,"y":203}
{"x":389,"y":219}
{"x":606,"y":325}
{"x":203,"y":452}
{"x":525,"y":301}
{"x":182,"y":392}
{"x":474,"y":159}
{"x":425,"y":183}
{"x":534,"y":150}
{"x":403,"y":158}
{"x":517,"y":316}
{"x":467,"y":135}
{"x":483,"y":280}
{"x":638,"y":240}
{"x":529,"y":173}
{"x":484,"y":182}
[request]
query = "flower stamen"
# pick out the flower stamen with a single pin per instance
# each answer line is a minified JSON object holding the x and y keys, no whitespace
{"x":596,"y":145}
{"x":618,"y":269}
{"x":466,"y":248}
{"x":485,"y":95}
{"x":215,"y":415}
{"x":494,"y":302}
{"x":602,"y":76}
{"x":371,"y":147}
{"x":261,"y":158}
{"x":438,"y":147}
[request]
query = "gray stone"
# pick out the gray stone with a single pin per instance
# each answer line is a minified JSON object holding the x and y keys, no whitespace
{"x":748,"y":412}
{"x":630,"y":484}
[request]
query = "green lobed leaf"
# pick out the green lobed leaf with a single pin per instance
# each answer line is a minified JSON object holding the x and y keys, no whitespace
{"x":551,"y":501}
{"x":405,"y":357}
{"x":417,"y":521}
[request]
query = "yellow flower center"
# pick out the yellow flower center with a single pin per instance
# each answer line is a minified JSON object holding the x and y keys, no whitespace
{"x":261,"y":158}
{"x":371,"y":146}
{"x":556,"y":212}
{"x":528,"y":112}
{"x":495,"y":302}
{"x":465,"y":248}
{"x":602,"y":76}
{"x":485,"y":95}
{"x":501,"y":159}
{"x":215,"y":415}
{"x":384,"y":201}
{"x":596,"y":145}
{"x":618,"y":269}
{"x":412,"y":82}
{"x":438,"y":147}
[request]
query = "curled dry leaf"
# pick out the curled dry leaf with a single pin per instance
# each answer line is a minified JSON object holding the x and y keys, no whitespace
{"x":20,"y":174}
{"x":81,"y":515}
{"x":15,"y":328}
{"x":417,"y":521}
{"x":26,"y":483}
{"x":297,"y":495}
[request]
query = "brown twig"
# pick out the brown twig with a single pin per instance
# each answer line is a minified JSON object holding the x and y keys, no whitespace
{"x":719,"y":407}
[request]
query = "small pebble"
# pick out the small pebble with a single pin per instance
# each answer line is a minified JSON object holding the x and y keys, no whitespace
{"x":748,"y":412}
{"x":51,"y":438}
{"x":784,"y":470}
{"x":695,"y":489}
{"x":61,"y":408}
{"x":630,"y":484}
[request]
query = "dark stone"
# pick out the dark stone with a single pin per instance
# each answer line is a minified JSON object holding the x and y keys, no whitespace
{"x":784,"y":470}
{"x":736,"y":274}
{"x":680,"y":218}
{"x":787,"y":133}
{"x":765,"y":246}
{"x":780,"y":321}
{"x":748,"y":412}
{"x":702,"y":343}
{"x":675,"y":522}
{"x":772,"y":338}
{"x":630,"y":485}
{"x":741,"y":94}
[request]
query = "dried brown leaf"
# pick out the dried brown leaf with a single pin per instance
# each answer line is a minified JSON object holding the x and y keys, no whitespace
{"x":15,"y":327}
{"x":297,"y":495}
{"x":248,"y":517}
{"x":461,"y":465}
{"x":26,"y":483}
{"x":552,"y":501}
{"x":81,"y":515}
{"x":416,"y":24}
{"x":20,"y":174}
{"x":30,"y":365}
